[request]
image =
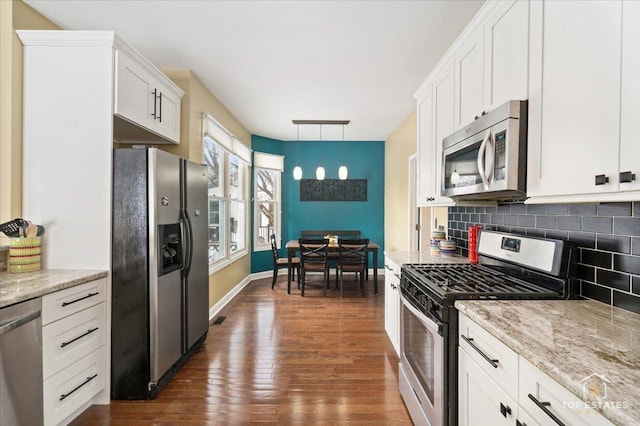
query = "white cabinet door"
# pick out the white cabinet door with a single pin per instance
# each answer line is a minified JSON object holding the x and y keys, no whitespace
{"x":426,"y":149}
{"x":574,"y":117}
{"x":630,"y":102}
{"x":443,"y":120}
{"x":134,"y":98}
{"x":392,"y":302}
{"x":167,"y":122}
{"x":506,"y":50}
{"x":469,"y":72}
{"x":480,"y":400}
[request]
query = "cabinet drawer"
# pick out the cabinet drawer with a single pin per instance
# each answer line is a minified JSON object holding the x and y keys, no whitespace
{"x":501,"y":363}
{"x":68,"y":390}
{"x":555,"y":398}
{"x":391,"y":270}
{"x":71,"y":300}
{"x":71,"y":338}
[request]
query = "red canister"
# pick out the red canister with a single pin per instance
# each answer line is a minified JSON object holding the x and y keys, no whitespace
{"x":473,"y":241}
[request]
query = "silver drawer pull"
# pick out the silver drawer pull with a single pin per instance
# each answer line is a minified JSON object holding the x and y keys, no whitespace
{"x":63,"y":344}
{"x":493,"y":362}
{"x":82,"y":298}
{"x":64,"y":395}
{"x":543,"y":406}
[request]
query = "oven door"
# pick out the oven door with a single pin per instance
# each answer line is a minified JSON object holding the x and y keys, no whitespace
{"x":487,"y":162}
{"x":422,"y":350}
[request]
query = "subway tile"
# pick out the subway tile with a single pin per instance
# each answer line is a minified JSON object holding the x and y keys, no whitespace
{"x":557,"y":209}
{"x":479,"y":209}
{"x":547,"y":222}
{"x":510,"y":219}
{"x":534,"y":232}
{"x":586,"y":273}
{"x":470,"y":209}
{"x":626,"y":301}
{"x":527,"y":220}
{"x":464,"y":234}
{"x":451,"y":216}
{"x":636,"y":209}
{"x":518,"y":208}
{"x":536,"y":209}
{"x":613,"y":279}
{"x":504,"y":209}
{"x":635,"y":285}
{"x":491,"y":209}
{"x":453,"y":209}
{"x":597,"y":224}
{"x":458,"y":217}
{"x":629,"y":264}
{"x":558,"y":235}
{"x":635,"y":245}
{"x":614,"y":243}
{"x":626,"y":225}
{"x":614,"y":209}
{"x":583,"y":239}
{"x":497,"y":219}
{"x":464,"y":252}
{"x":456,"y":233}
{"x":596,"y":258}
{"x":596,"y":292}
{"x":570,"y":223}
{"x":464,"y":217}
{"x":583,"y":209}
{"x":474,"y":217}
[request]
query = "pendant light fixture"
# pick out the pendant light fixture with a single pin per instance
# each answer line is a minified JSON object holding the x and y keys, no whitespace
{"x":342,"y":171}
{"x":297,"y":170}
{"x":320,"y":169}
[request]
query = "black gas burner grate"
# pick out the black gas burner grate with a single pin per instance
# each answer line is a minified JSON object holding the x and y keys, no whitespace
{"x":455,"y":281}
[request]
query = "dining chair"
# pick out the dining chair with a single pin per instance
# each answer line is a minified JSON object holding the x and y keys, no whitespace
{"x":280,"y":262}
{"x":353,"y":257}
{"x":314,"y":257}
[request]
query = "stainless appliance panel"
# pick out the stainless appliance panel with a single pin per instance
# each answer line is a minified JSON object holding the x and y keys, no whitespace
{"x":21,"y":364}
{"x":166,"y":174}
{"x":168,"y":335}
{"x":422,"y":349}
{"x":196,"y":275}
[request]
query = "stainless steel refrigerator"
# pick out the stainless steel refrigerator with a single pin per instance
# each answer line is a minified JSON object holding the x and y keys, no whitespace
{"x":160,"y":275}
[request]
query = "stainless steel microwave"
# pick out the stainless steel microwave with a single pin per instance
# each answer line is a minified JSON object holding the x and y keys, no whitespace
{"x":487,"y":159}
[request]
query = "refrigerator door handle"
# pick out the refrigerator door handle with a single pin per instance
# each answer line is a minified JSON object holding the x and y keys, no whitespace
{"x":187,"y":241}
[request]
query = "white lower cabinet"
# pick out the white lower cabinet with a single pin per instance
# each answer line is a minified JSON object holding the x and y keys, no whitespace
{"x":73,"y":350}
{"x":510,"y":393}
{"x":392,"y":302}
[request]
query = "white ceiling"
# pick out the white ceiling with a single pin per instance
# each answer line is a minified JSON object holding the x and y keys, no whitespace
{"x":270,"y":62}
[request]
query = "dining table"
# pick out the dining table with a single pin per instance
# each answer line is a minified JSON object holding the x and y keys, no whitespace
{"x":293,"y":246}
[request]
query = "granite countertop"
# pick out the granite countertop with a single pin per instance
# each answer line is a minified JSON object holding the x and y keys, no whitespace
{"x":570,"y":340}
{"x":402,"y":257}
{"x":16,"y":288}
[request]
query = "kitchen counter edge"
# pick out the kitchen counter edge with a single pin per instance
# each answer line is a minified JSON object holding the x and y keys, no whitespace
{"x":16,"y":288}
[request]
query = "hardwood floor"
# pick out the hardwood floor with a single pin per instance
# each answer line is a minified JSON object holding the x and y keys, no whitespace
{"x":282,"y":359}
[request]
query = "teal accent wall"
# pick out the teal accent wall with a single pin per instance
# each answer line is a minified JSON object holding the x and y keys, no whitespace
{"x":365,"y":160}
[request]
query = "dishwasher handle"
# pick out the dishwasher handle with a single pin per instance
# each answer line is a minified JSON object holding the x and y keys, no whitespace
{"x":12,"y":325}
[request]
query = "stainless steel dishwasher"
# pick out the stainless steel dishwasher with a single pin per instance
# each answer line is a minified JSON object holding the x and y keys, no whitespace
{"x":21,"y":364}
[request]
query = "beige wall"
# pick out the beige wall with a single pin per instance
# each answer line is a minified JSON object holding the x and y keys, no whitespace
{"x":199,"y":99}
{"x":397,"y":150}
{"x":14,"y":15}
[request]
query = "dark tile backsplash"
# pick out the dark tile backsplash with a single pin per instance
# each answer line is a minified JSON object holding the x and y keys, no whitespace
{"x":607,"y":236}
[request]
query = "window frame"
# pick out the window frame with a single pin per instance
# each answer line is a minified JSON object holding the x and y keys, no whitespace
{"x":276,"y":200}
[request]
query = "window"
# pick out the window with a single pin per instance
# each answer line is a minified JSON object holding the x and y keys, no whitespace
{"x":267,"y":177}
{"x":227,"y":163}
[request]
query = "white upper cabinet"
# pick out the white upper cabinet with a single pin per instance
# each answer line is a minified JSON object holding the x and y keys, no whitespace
{"x":469,"y":73}
{"x":426,"y":152}
{"x":630,"y":102}
{"x":506,"y":52}
{"x":143,"y":98}
{"x":443,"y":119}
{"x":575,"y":99}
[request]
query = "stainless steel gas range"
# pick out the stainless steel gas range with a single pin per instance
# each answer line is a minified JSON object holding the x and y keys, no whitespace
{"x":510,"y":267}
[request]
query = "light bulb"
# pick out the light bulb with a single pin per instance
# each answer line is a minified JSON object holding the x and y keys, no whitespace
{"x":320,"y":173}
{"x":455,"y":177}
{"x":343,"y":172}
{"x":297,"y":172}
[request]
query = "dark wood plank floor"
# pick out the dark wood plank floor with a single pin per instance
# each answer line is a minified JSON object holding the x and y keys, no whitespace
{"x":281,"y":359}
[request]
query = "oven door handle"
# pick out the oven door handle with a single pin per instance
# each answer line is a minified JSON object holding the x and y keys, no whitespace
{"x":481,"y":159}
{"x":431,"y":323}
{"x":469,"y":340}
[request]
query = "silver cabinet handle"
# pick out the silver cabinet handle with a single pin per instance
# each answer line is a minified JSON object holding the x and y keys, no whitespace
{"x":493,"y":362}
